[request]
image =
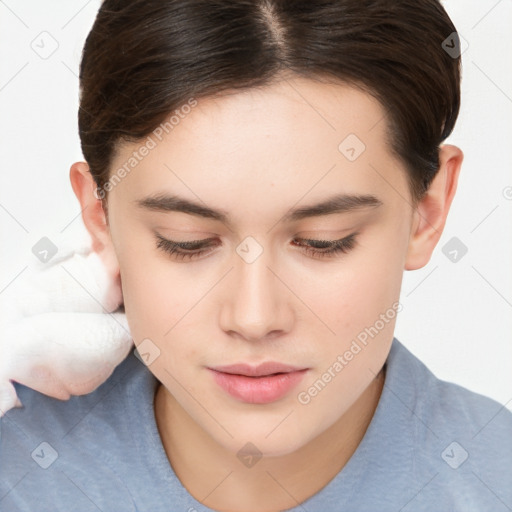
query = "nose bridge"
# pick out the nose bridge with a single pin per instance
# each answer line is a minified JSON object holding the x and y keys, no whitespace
{"x":257,"y":300}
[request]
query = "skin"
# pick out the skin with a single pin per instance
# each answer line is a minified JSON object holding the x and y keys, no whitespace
{"x":257,"y":154}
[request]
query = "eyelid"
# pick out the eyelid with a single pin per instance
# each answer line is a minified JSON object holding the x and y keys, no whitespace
{"x":196,"y":244}
{"x":190,"y":250}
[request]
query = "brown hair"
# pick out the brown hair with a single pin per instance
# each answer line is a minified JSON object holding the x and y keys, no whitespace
{"x":143,"y":59}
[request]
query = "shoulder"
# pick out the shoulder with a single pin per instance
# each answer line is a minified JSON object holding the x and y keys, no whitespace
{"x":462,"y":440}
{"x":61,"y":446}
{"x":444,"y":404}
{"x":42,"y":414}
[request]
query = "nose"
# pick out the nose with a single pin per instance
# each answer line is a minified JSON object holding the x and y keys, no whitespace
{"x":257,"y":304}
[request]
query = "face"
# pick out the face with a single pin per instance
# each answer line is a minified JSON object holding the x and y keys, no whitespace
{"x":267,"y":278}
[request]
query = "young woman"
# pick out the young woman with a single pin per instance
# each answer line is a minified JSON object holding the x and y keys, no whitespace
{"x":258,"y":175}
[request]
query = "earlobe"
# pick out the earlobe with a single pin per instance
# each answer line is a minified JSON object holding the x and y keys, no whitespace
{"x":432,"y":210}
{"x":93,"y":215}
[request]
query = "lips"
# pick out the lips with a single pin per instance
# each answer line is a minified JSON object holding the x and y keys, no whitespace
{"x":263,"y":369}
{"x":265,"y":383}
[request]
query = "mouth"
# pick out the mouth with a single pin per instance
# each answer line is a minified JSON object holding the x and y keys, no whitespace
{"x":262,"y":384}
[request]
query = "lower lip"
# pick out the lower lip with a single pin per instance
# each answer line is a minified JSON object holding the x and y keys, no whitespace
{"x":258,"y":390}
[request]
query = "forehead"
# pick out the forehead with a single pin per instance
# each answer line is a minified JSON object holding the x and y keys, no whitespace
{"x":289,"y":110}
{"x":296,"y":138}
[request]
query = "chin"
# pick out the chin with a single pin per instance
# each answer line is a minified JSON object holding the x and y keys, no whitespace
{"x":275,"y":444}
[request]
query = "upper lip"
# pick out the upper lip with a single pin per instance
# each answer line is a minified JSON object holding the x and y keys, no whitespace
{"x":268,"y":368}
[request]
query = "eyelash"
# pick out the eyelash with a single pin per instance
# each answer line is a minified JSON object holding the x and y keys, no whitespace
{"x":195,"y":248}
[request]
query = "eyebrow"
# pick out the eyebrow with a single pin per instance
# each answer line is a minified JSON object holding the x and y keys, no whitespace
{"x":341,"y":203}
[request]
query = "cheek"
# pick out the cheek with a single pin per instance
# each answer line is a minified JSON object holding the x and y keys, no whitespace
{"x":355,"y":292}
{"x":162,"y":302}
{"x":156,"y":294}
{"x":360,"y":305}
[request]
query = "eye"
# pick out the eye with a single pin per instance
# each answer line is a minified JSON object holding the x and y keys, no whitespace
{"x":326,"y":248}
{"x":184,"y":250}
{"x":196,"y":248}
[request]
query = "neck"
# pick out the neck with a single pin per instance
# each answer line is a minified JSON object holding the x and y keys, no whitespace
{"x":206,"y":469}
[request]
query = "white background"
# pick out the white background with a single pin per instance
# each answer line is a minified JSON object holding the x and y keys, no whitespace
{"x":457,"y":317}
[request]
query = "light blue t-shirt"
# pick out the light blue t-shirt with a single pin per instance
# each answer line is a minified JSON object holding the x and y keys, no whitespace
{"x":431,"y":446}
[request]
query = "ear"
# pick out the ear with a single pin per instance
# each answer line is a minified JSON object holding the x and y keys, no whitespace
{"x":94,"y":217}
{"x":430,"y":215}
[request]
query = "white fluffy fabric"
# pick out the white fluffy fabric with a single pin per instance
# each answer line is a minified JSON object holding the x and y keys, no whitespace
{"x":61,"y":330}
